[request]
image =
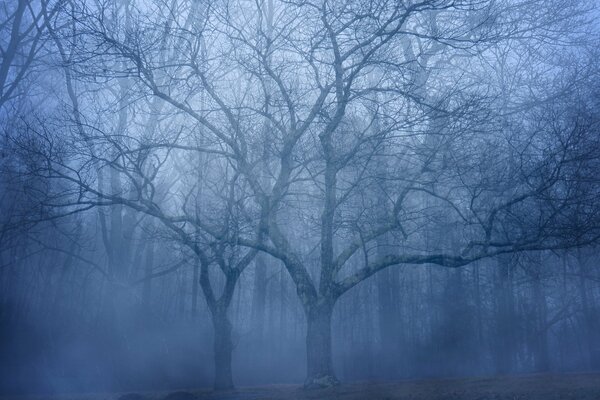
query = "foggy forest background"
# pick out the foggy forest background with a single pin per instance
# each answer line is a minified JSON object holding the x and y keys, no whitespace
{"x":249,"y":192}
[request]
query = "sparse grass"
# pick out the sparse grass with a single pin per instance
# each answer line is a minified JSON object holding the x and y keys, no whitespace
{"x":527,"y":387}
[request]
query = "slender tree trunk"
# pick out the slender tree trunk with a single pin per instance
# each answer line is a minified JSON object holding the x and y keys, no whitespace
{"x":223,"y":348}
{"x":505,"y":319}
{"x":589,"y":331}
{"x":259,"y":296}
{"x":387,"y":282}
{"x":148,"y":266}
{"x":542,"y":357}
{"x":195,"y":286}
{"x":318,"y":347}
{"x":479,"y":306}
{"x":283,"y":312}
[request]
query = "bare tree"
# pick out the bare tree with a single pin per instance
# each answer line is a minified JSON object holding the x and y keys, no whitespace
{"x":474,"y":168}
{"x":22,"y":33}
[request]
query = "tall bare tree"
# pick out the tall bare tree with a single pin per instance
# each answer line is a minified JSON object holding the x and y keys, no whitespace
{"x":474,"y":168}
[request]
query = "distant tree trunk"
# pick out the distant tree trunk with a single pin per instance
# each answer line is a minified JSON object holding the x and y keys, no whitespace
{"x":261,"y":260}
{"x":455,"y":357}
{"x":542,"y":359}
{"x":59,"y":294}
{"x":223,"y":348}
{"x":259,"y":296}
{"x":478,"y":306}
{"x":589,"y":316}
{"x":182,"y":278}
{"x":318,"y":346}
{"x":195,"y":285}
{"x":504,"y":324}
{"x":564,"y":329}
{"x":389,"y":335}
{"x":148,"y":266}
{"x":283,"y":312}
{"x":387,"y":280}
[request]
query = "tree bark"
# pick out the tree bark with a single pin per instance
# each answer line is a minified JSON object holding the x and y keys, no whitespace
{"x":223,"y":348}
{"x":318,"y":347}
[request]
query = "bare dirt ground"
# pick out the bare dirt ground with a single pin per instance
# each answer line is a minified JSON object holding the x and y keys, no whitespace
{"x":527,"y":387}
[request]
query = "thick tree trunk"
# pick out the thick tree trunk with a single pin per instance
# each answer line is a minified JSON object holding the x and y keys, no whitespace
{"x":223,"y":348}
{"x":318,"y":347}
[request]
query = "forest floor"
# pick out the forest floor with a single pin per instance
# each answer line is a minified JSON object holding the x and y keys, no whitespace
{"x":527,"y":387}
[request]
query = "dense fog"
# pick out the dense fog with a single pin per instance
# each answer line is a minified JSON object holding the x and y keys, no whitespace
{"x":239,"y":193}
{"x":521,"y":316}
